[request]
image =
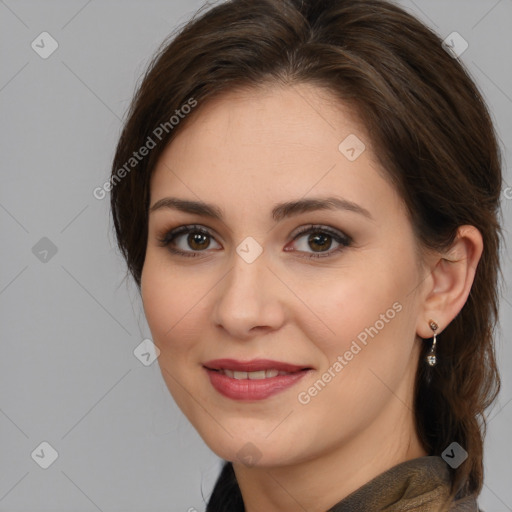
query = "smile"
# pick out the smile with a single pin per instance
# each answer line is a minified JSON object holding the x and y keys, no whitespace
{"x":259,"y":375}
{"x":252,"y":386}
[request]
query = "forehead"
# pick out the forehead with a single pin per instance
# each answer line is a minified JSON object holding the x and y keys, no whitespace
{"x":270,"y":143}
{"x":300,"y":117}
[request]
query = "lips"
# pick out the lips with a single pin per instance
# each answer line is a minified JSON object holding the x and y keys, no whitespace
{"x":255,"y":365}
{"x":253,"y":380}
{"x":257,"y":379}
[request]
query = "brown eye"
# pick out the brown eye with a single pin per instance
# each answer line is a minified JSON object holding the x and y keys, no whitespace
{"x":320,"y":239}
{"x":197,"y":241}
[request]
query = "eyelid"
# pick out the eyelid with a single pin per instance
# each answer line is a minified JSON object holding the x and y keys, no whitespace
{"x":320,"y":228}
{"x":170,"y":234}
{"x":339,"y":237}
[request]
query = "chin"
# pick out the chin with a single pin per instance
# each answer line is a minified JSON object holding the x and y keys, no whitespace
{"x":252,"y":450}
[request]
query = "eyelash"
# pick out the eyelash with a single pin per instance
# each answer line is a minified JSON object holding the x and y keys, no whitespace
{"x":170,"y":236}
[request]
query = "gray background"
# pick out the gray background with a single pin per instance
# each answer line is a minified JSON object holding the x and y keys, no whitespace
{"x":70,"y":324}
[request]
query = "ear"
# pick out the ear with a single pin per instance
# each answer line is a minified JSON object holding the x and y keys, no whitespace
{"x":450,"y":280}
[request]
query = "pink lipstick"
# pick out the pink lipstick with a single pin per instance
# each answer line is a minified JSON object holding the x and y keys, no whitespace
{"x":252,"y":380}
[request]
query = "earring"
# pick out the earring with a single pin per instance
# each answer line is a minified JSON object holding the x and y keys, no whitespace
{"x":431,"y":356}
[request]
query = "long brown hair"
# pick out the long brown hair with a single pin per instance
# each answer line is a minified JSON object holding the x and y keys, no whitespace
{"x":431,"y":131}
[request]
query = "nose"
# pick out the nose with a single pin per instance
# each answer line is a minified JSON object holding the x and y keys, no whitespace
{"x":249,"y":300}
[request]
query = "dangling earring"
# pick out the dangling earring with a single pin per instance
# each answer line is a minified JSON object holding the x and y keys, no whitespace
{"x":431,"y":356}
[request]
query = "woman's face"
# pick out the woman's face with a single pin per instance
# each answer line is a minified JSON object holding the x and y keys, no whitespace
{"x":343,"y":301}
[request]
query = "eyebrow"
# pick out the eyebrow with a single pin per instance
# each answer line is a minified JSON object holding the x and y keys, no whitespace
{"x":279,"y":211}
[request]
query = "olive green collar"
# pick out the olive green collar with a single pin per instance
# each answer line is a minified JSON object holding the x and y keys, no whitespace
{"x":419,"y":485}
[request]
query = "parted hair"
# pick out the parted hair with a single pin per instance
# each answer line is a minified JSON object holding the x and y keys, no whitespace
{"x":432,"y":133}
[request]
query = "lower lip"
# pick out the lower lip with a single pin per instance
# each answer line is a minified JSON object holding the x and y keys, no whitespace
{"x":248,"y":389}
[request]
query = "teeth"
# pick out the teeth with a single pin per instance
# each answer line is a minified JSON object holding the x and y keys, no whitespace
{"x":262,"y":374}
{"x":257,"y":375}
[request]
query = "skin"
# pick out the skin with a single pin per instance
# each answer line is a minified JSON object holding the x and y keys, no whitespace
{"x":245,"y":151}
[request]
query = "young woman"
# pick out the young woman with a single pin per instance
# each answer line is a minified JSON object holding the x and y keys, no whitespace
{"x":306,"y":193}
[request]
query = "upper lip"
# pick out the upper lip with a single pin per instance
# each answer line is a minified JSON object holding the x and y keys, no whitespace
{"x":253,"y":365}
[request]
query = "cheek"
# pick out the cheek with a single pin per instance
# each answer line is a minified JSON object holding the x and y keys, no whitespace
{"x":168,"y":298}
{"x":366,"y":359}
{"x":172,"y":306}
{"x":360,"y":304}
{"x":372,"y":313}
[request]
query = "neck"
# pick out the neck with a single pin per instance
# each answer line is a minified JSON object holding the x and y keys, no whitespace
{"x":318,"y":484}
